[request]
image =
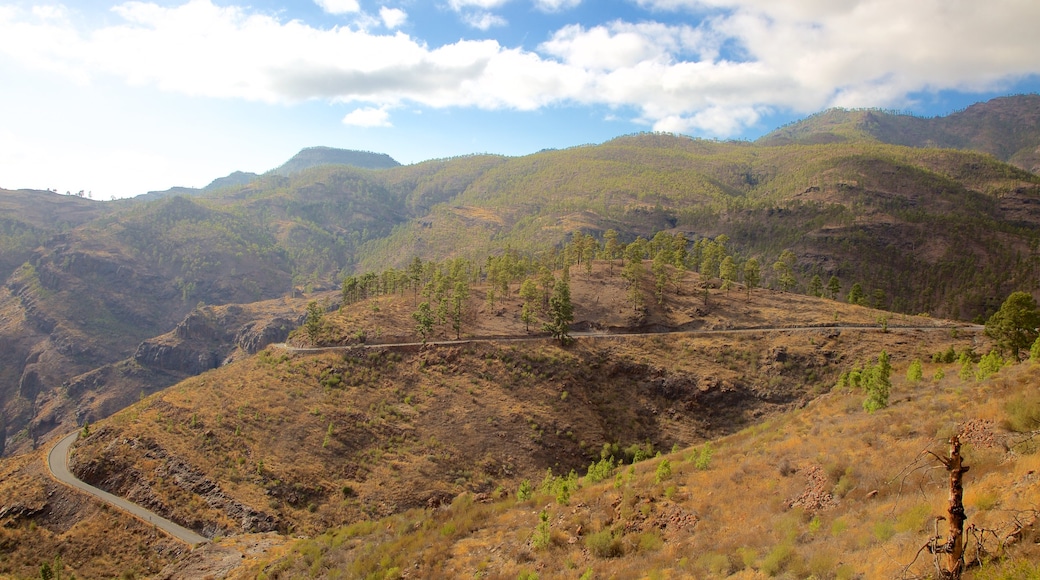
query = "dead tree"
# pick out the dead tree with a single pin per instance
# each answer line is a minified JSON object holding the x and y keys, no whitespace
{"x":953,"y":547}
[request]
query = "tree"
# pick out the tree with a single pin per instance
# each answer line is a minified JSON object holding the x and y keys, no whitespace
{"x":784,"y":268}
{"x":611,"y":249}
{"x":816,"y":286}
{"x":914,"y":373}
{"x":728,"y":272}
{"x":878,"y":384}
{"x":659,"y":267}
{"x":314,"y":321}
{"x":1014,"y":326}
{"x":458,"y":301}
{"x":834,"y":287}
{"x":529,"y":293}
{"x":423,"y":320}
{"x":561,"y":312}
{"x":752,"y":276}
{"x":856,"y":295}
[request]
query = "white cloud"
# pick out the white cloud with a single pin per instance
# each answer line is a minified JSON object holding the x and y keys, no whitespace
{"x":460,"y":5}
{"x":555,"y":5}
{"x":621,"y":45}
{"x":49,"y":12}
{"x":484,"y":20}
{"x":392,"y":17}
{"x":718,"y":74}
{"x":368,"y":117}
{"x":339,"y":6}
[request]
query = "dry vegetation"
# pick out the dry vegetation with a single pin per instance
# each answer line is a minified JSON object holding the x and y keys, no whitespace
{"x":827,"y":491}
{"x":438,"y":439}
{"x":41,"y":522}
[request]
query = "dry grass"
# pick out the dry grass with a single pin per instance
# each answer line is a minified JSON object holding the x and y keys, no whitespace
{"x":735,"y":517}
{"x":318,"y":441}
{"x":45,"y":522}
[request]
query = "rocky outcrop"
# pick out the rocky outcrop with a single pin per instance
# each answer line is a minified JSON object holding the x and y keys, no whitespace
{"x":253,"y":337}
{"x":179,"y":358}
{"x":112,"y":472}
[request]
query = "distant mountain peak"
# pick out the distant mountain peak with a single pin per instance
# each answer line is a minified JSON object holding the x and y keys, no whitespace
{"x":316,"y":156}
{"x":1006,"y":127}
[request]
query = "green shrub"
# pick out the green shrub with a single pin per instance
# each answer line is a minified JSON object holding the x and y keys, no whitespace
{"x":914,"y":373}
{"x":1023,"y":413}
{"x":777,"y":559}
{"x":600,"y":470}
{"x":701,"y":456}
{"x":523,"y":493}
{"x":989,"y":365}
{"x":603,"y":544}
{"x":663,"y":472}
{"x":542,"y":535}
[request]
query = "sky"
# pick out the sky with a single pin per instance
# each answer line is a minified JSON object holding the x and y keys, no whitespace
{"x":119,"y":98}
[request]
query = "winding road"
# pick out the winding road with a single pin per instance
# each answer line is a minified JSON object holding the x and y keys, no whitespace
{"x":713,"y":331}
{"x":58,"y":464}
{"x":58,"y":457}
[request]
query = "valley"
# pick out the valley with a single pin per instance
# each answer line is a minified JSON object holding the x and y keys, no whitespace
{"x":577,"y":363}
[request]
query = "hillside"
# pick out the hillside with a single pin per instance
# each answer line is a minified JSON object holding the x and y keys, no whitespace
{"x":395,"y":432}
{"x":920,"y":230}
{"x":1007,"y":128}
{"x":827,"y":491}
{"x":317,"y":156}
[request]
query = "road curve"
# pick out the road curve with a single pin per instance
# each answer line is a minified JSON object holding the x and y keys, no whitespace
{"x":58,"y":464}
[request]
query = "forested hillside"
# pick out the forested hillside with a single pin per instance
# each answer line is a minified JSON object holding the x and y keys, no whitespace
{"x":912,"y":229}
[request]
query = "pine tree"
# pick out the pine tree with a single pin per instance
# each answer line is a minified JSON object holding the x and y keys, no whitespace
{"x":1014,"y":326}
{"x":423,"y":317}
{"x":816,"y":286}
{"x":752,"y":276}
{"x":529,"y":293}
{"x":878,"y":384}
{"x":728,"y":272}
{"x":561,"y":312}
{"x":834,"y":287}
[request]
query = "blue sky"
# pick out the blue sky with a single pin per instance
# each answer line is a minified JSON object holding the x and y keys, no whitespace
{"x":119,"y":98}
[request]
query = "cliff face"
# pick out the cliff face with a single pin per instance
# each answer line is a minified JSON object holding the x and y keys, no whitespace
{"x":60,"y":378}
{"x":210,"y":336}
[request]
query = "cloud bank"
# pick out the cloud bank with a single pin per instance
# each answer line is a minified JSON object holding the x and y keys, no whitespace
{"x":731,"y":63}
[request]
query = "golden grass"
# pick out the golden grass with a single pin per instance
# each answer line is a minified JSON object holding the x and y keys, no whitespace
{"x":741,"y":522}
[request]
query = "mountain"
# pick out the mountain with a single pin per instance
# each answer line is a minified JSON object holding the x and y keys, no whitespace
{"x":1007,"y":128}
{"x":317,"y":156}
{"x":740,"y":452}
{"x":919,"y":230}
{"x":231,"y":180}
{"x":366,"y":433}
{"x":106,"y":304}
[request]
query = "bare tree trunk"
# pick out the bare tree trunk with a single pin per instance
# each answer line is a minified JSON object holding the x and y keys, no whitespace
{"x":955,"y":544}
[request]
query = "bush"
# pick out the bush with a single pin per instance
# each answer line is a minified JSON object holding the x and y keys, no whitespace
{"x":914,"y":373}
{"x":1023,"y":413}
{"x":524,"y":491}
{"x":600,"y":470}
{"x":664,"y":471}
{"x":701,"y":456}
{"x":603,"y":544}
{"x":989,"y":365}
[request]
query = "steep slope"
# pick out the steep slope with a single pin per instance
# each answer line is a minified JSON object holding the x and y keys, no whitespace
{"x":827,"y":491}
{"x":896,"y":220}
{"x":369,"y":432}
{"x":930,"y":230}
{"x":1007,"y":128}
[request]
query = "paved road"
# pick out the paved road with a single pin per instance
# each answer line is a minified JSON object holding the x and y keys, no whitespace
{"x":58,"y":463}
{"x":58,"y":458}
{"x":839,"y":328}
